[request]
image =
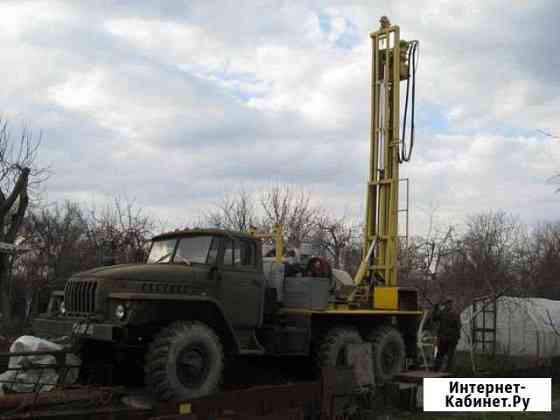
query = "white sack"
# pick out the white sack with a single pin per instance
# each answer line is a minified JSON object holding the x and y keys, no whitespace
{"x":45,"y":377}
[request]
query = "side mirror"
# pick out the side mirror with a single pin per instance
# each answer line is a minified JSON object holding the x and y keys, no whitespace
{"x":214,"y":273}
{"x":108,"y":260}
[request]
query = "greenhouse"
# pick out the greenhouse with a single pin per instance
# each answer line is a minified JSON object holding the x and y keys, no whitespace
{"x":524,"y":328}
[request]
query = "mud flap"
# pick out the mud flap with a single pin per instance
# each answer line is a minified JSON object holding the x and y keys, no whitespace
{"x":358,"y":356}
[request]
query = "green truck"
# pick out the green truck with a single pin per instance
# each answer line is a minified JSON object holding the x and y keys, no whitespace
{"x":207,"y":295}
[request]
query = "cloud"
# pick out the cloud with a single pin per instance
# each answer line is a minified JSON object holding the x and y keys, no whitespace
{"x":177,"y":103}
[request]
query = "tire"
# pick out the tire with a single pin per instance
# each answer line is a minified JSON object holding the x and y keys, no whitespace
{"x":331,"y":349}
{"x":185,"y":360}
{"x":387,"y":351}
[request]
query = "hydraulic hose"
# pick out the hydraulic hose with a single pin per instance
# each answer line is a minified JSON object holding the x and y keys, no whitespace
{"x":412,"y":59}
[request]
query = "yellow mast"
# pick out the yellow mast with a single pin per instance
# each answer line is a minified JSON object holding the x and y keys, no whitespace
{"x":389,"y":67}
{"x":277,"y":235}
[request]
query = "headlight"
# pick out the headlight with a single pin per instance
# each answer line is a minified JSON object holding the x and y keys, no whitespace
{"x":61,"y":307}
{"x":120,"y":312}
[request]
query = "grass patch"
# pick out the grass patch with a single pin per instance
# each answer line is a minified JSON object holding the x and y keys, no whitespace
{"x":486,"y":366}
{"x":555,"y":392}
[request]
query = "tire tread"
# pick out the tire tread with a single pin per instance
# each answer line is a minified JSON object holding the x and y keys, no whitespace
{"x":155,"y":375}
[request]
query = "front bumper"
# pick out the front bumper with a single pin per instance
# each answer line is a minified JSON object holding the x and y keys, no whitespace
{"x":57,"y":327}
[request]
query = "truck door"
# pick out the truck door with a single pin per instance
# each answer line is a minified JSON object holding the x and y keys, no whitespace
{"x":240,"y":283}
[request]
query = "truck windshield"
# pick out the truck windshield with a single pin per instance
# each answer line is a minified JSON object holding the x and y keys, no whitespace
{"x":191,"y":249}
{"x":161,"y":251}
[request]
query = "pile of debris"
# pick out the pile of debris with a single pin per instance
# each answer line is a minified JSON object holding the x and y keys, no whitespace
{"x":38,"y":365}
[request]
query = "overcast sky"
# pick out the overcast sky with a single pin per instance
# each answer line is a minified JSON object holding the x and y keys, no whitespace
{"x":176,"y":103}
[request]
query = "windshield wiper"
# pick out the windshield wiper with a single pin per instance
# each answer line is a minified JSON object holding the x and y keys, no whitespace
{"x":182,"y":260}
{"x":160,"y":259}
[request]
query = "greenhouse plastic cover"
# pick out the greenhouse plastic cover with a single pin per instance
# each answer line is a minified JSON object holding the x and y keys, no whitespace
{"x":30,"y":379}
{"x":524,"y":327}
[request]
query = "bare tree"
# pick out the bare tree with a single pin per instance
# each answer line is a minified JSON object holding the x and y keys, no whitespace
{"x":118,"y":232}
{"x":555,"y":178}
{"x":18,"y":174}
{"x":548,"y":134}
{"x":281,"y":204}
{"x":334,"y":237}
{"x":234,"y":212}
{"x":54,"y":236}
{"x":64,"y":239}
{"x":544,"y":260}
{"x":422,"y":261}
{"x":136,"y":228}
{"x":291,"y":207}
{"x":490,"y":257}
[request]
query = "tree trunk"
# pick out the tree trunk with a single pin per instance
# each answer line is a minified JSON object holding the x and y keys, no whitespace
{"x":18,"y":200}
{"x":337,"y":258}
{"x":6,"y":288}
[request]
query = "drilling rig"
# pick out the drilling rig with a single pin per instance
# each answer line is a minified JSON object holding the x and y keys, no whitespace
{"x":393,"y":60}
{"x":204,"y":296}
{"x":379,"y":311}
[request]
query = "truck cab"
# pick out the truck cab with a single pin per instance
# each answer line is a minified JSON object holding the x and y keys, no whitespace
{"x":185,"y":271}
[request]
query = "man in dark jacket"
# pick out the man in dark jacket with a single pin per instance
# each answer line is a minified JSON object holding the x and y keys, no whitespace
{"x":449,"y":332}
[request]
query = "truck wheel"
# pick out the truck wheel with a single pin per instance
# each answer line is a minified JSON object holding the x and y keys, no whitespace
{"x":387,"y":352}
{"x":185,"y":360}
{"x":332,"y":348}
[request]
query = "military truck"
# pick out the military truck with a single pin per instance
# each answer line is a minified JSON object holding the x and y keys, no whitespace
{"x":202,"y":297}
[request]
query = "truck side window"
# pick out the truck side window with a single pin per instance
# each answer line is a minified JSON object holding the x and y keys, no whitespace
{"x":246,"y":253}
{"x":228,"y":251}
{"x":213,"y":252}
{"x":253,"y":253}
{"x":237,"y":253}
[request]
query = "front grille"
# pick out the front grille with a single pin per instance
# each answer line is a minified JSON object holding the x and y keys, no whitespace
{"x":79,"y":297}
